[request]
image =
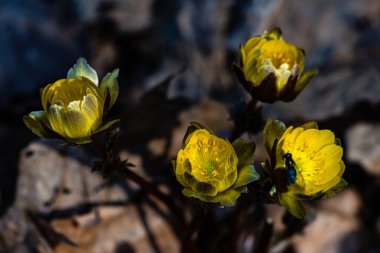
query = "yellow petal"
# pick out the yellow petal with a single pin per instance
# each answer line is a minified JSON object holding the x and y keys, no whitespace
{"x":289,"y":138}
{"x":90,"y":109}
{"x":76,"y":124}
{"x":312,"y":140}
{"x":35,"y":121}
{"x":55,"y":117}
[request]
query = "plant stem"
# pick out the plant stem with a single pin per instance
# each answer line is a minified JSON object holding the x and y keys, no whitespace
{"x":187,"y":243}
{"x":140,"y":181}
{"x":263,"y":238}
{"x":244,"y":120}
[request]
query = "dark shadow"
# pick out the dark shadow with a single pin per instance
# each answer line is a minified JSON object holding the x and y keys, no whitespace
{"x":148,"y":231}
{"x":124,"y":247}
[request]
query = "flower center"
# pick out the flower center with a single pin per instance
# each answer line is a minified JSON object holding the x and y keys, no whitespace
{"x":280,"y":53}
{"x":210,"y":168}
{"x":67,"y":91}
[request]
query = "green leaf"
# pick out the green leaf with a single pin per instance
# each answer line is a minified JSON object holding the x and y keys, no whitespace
{"x":35,"y":122}
{"x":273,"y":131}
{"x":246,"y":175}
{"x":337,"y":188}
{"x":110,"y":88}
{"x":292,"y":205}
{"x":244,"y":151}
{"x":81,"y":68}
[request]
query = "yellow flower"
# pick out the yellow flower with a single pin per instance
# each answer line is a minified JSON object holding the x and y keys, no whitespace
{"x":73,"y":108}
{"x":306,"y":163}
{"x":272,"y":69}
{"x":212,"y":169}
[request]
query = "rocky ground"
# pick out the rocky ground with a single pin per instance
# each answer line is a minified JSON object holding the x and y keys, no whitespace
{"x":52,"y":202}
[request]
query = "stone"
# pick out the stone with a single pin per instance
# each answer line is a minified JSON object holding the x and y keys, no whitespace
{"x":88,"y":212}
{"x":363,"y":146}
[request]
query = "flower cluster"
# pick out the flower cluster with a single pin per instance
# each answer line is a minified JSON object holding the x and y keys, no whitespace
{"x":304,"y":163}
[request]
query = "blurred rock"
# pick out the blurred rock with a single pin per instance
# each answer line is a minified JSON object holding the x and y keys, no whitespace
{"x":363,"y":146}
{"x":346,"y":203}
{"x":324,"y":233}
{"x":82,"y":208}
{"x":130,"y":224}
{"x":335,"y":219}
{"x":129,"y":16}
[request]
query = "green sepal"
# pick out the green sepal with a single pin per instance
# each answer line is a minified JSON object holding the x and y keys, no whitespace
{"x":266,"y":91}
{"x":79,"y":141}
{"x":304,"y":79}
{"x":226,"y":198}
{"x":82,"y":68}
{"x":107,"y":125}
{"x":310,"y":125}
{"x":244,"y":151}
{"x":273,"y":131}
{"x":194,"y":126}
{"x":337,"y":188}
{"x":338,"y":142}
{"x":292,"y":205}
{"x":246,"y":175}
{"x":273,"y":34}
{"x":110,"y":88}
{"x":204,"y":188}
{"x":267,"y":167}
{"x":35,"y":122}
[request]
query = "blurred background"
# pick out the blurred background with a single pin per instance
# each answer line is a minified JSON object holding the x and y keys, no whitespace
{"x":174,"y":58}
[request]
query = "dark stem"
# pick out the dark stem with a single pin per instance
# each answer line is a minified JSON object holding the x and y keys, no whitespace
{"x":140,"y":181}
{"x":234,"y":231}
{"x":263,"y":238}
{"x":188,"y":244}
{"x":244,"y":120}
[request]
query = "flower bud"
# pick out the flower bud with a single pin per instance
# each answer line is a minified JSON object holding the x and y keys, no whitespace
{"x":272,"y":69}
{"x":73,"y":108}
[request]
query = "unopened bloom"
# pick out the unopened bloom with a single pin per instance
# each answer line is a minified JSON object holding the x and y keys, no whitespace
{"x":73,"y":108}
{"x":211,"y":168}
{"x":272,"y":69}
{"x":305,"y":163}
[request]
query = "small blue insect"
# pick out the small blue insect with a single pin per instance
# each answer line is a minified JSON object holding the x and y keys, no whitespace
{"x":290,"y":170}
